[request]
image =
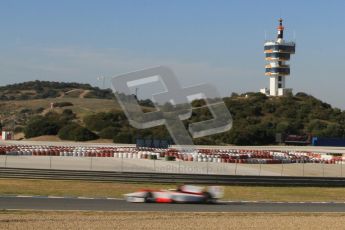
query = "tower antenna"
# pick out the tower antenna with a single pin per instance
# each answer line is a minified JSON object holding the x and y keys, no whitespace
{"x":277,"y":53}
{"x":294,"y":35}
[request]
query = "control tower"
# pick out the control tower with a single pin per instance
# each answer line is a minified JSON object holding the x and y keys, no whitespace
{"x":277,"y":54}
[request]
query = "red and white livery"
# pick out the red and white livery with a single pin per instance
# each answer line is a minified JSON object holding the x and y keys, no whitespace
{"x":183,"y":194}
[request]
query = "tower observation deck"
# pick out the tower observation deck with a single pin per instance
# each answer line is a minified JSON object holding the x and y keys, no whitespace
{"x":277,"y":53}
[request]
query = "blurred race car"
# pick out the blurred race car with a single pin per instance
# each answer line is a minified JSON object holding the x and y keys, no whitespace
{"x":183,"y":194}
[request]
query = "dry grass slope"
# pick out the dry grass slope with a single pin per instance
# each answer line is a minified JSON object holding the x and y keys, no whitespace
{"x":81,"y":106}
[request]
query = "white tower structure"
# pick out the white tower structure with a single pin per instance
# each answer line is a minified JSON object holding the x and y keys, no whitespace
{"x":277,"y":53}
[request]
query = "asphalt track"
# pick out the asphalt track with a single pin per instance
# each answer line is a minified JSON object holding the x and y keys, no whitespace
{"x":69,"y":204}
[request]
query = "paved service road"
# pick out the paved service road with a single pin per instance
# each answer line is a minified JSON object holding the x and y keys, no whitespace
{"x":121,"y":205}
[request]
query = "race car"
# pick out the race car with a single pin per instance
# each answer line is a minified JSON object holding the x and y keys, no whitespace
{"x":183,"y":194}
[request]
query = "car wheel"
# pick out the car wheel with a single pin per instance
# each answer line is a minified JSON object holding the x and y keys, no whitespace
{"x":148,"y":197}
{"x":208,"y":198}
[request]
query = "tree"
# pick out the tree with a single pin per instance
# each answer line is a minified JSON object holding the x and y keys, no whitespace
{"x":83,"y":134}
{"x":66,"y":132}
{"x":38,"y":126}
{"x":67,"y":114}
{"x":109,"y":132}
{"x":99,"y":121}
{"x":283,"y":127}
{"x":332,"y":130}
{"x":315,"y":126}
{"x":76,"y":132}
{"x":123,"y":137}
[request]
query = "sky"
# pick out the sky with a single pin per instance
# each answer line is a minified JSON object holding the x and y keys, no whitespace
{"x":217,"y":42}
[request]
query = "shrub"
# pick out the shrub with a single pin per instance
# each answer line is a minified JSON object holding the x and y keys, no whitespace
{"x":67,"y":114}
{"x":25,"y":110}
{"x":39,"y":110}
{"x":109,"y":132}
{"x":18,"y":129}
{"x":76,"y":132}
{"x":38,"y":126}
{"x":123,"y":137}
{"x":99,"y":121}
{"x":65,"y":133}
{"x":83,"y":134}
{"x":63,"y":104}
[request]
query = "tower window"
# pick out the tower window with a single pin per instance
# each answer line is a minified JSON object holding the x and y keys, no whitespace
{"x":280,"y":78}
{"x":279,"y":85}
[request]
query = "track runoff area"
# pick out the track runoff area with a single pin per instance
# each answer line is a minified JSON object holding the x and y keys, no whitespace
{"x":113,"y":204}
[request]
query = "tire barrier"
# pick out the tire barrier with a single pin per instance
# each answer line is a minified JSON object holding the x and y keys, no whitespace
{"x":241,"y":156}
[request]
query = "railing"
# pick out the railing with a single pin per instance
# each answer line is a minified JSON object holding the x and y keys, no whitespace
{"x":169,"y":177}
{"x":284,"y":43}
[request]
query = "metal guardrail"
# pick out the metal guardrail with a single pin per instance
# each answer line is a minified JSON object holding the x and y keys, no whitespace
{"x":169,"y":177}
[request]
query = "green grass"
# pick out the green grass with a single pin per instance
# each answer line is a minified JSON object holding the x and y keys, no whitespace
{"x":69,"y":188}
{"x":104,"y":189}
{"x":284,"y":193}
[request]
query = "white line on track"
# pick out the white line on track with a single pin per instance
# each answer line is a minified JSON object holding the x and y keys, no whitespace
{"x":85,"y":198}
{"x":21,"y":196}
{"x":55,"y":197}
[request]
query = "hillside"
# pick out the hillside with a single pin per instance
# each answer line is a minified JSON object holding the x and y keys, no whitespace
{"x":47,"y":89}
{"x":77,"y":110}
{"x":258,"y":118}
{"x":19,"y":102}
